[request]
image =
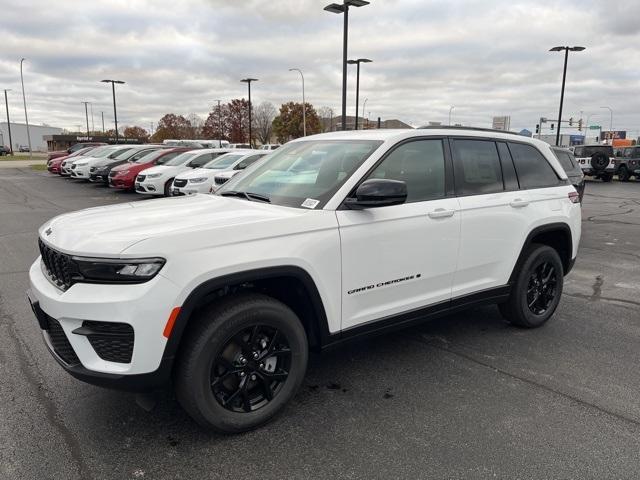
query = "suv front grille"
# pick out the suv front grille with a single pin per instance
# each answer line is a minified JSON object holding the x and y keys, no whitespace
{"x":179,"y":182}
{"x":140,"y":178}
{"x":60,"y":342}
{"x":220,"y":180}
{"x":112,"y":342}
{"x":59,"y":266}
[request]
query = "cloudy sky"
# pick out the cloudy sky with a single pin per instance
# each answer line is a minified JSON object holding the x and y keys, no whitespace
{"x":485,"y":57}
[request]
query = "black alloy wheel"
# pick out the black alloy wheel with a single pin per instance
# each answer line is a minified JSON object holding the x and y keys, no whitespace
{"x":624,"y":174}
{"x":251,"y":368}
{"x":541,"y":289}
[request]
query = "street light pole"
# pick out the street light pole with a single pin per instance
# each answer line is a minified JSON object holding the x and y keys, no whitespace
{"x":344,"y":9}
{"x":26,"y":118}
{"x":6,"y":104}
{"x":93,"y":126}
{"x":219,"y":124}
{"x":304,"y":104}
{"x":102,"y":115}
{"x":248,"y":82}
{"x":564,"y":77}
{"x":610,"y":122}
{"x":115,"y":113}
{"x":450,"y":110}
{"x":86,"y":115}
{"x":357,"y":63}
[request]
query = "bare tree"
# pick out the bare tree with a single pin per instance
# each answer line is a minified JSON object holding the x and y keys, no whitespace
{"x":263,"y":116}
{"x":196,"y":125}
{"x":326,"y":118}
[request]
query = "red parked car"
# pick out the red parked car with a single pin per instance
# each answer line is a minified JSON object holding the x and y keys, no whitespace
{"x":73,"y":149}
{"x":123,"y":176}
{"x":53,"y":165}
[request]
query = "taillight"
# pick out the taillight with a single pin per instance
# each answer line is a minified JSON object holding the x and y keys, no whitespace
{"x":574,"y":197}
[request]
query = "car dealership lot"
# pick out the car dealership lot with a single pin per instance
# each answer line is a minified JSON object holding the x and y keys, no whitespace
{"x":463,"y":396}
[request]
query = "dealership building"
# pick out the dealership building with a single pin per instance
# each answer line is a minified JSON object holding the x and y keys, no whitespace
{"x":19,"y":135}
{"x":62,"y":142}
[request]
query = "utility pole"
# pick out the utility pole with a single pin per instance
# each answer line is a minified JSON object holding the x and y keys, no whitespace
{"x":6,"y":103}
{"x":219,"y":124}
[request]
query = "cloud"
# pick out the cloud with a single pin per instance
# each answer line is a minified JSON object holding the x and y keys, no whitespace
{"x":486,"y":58}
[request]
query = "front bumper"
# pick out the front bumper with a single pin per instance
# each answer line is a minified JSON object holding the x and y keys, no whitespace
{"x":151,"y":186}
{"x":123,"y":183}
{"x":80,"y":172}
{"x":191,"y":189}
{"x":99,"y":177}
{"x":145,"y":307}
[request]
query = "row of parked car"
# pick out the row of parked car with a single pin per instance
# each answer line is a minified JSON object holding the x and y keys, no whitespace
{"x":603,"y":162}
{"x":154,"y":169}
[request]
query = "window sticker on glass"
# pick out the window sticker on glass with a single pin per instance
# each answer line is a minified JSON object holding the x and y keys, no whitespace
{"x":310,"y":203}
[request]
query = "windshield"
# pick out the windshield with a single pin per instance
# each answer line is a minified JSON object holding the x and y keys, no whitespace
{"x":100,"y":152}
{"x":149,"y":156}
{"x":118,"y":152}
{"x":224,"y":161}
{"x":134,"y":156}
{"x":306,"y":172}
{"x":588,"y":151}
{"x":566,"y":160}
{"x":181,"y":159}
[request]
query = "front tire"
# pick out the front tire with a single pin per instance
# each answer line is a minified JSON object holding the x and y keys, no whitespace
{"x":167,"y":187}
{"x":536,"y":292}
{"x":624,"y":174}
{"x":241,"y":362}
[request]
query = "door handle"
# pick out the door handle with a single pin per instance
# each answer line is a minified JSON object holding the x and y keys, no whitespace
{"x":519,"y":203}
{"x":441,"y":213}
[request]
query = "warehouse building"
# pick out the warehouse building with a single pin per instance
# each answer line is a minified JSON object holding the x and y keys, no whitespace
{"x":19,"y":135}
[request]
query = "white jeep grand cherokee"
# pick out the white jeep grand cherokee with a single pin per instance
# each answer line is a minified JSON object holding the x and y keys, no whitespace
{"x":332,"y":237}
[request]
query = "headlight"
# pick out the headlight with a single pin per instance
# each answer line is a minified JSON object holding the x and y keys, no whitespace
{"x":123,"y":172}
{"x":107,"y":270}
{"x":154,"y":175}
{"x":198,"y":180}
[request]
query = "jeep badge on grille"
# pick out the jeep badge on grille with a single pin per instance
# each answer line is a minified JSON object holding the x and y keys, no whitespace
{"x":48,"y":231}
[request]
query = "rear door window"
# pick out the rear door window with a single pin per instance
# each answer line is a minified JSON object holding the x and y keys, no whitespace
{"x":532,"y":167}
{"x":477,"y":168}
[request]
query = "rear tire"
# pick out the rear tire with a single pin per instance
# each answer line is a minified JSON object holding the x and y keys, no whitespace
{"x":241,"y":362}
{"x":537,"y":290}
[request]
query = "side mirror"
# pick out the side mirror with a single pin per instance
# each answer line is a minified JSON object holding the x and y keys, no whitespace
{"x":378,"y":192}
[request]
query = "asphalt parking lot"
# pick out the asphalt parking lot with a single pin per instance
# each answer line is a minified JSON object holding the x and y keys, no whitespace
{"x":465,"y":396}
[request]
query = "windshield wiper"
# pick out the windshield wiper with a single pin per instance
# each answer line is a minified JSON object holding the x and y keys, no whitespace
{"x":247,"y":195}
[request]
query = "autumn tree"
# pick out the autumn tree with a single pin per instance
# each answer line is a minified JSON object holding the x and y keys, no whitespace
{"x":288,"y":124}
{"x":172,"y":126}
{"x":196,"y":125}
{"x":216,"y":126}
{"x":263,"y":116}
{"x":136,"y":132}
{"x":237,"y":120}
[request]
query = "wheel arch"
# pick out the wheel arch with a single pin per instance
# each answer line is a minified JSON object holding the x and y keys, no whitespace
{"x":555,"y":235}
{"x":290,"y":284}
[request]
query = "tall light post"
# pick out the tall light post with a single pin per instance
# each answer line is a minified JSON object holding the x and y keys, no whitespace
{"x":219,"y":124}
{"x":564,"y":78}
{"x":6,"y":104}
{"x":24,"y":102}
{"x":102,"y":115}
{"x":93,"y":126}
{"x":344,"y":9}
{"x":358,"y":62}
{"x":248,"y":82}
{"x":115,"y":113}
{"x":610,"y":122}
{"x":364,"y":105}
{"x":86,"y":116}
{"x":450,"y":110}
{"x":304,"y":103}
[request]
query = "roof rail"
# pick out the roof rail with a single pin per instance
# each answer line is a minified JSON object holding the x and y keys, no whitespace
{"x":475,"y":129}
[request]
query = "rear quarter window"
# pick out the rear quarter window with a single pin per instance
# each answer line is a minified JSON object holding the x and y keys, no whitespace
{"x":532,"y":168}
{"x":477,"y":167}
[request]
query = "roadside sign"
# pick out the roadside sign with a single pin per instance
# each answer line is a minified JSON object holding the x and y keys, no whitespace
{"x":595,"y":127}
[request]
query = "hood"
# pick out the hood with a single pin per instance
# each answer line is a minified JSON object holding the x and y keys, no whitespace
{"x":131,"y":166}
{"x":109,"y":230}
{"x":228,"y":173}
{"x":198,"y":172}
{"x":158,"y":169}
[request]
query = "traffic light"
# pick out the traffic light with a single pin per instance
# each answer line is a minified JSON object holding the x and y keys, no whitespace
{"x":537,"y":128}
{"x":552,"y":126}
{"x":580,"y":125}
{"x":571,"y":122}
